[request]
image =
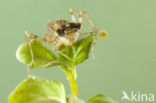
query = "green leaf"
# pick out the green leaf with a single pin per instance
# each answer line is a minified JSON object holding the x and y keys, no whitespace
{"x":100,"y":99}
{"x":68,"y":58}
{"x":82,"y":49}
{"x":78,"y":52}
{"x":37,"y":90}
{"x":42,"y":57}
{"x":74,"y":99}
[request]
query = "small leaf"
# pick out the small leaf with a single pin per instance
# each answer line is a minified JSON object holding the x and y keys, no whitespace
{"x":76,"y":53}
{"x":37,"y":90}
{"x":100,"y":99}
{"x":42,"y":57}
{"x":82,"y":49}
{"x":74,"y":99}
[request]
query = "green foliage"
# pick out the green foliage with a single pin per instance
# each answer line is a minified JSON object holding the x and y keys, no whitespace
{"x":38,"y":90}
{"x":78,"y":52}
{"x":74,"y":99}
{"x":42,"y":57}
{"x":100,"y":99}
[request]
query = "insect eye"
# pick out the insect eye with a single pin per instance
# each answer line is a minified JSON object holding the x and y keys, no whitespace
{"x":60,"y":32}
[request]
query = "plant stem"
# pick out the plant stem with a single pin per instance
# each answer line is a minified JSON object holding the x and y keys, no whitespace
{"x":73,"y":86}
{"x":71,"y":75}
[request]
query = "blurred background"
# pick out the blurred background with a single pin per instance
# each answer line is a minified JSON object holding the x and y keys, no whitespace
{"x":126,"y":60}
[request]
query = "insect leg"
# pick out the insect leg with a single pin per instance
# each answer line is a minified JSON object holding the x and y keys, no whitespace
{"x":71,"y":11}
{"x":91,"y":23}
{"x":27,"y":39}
{"x":53,"y":63}
{"x":29,"y":35}
{"x":65,"y":55}
{"x":59,"y":51}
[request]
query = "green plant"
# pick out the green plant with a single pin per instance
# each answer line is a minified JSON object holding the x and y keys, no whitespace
{"x":35,"y":89}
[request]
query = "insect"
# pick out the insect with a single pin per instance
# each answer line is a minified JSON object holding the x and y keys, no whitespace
{"x":63,"y":32}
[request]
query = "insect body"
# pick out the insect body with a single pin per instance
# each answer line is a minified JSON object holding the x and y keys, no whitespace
{"x":63,"y":32}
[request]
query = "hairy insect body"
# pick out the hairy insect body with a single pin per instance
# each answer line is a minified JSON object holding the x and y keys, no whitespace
{"x":62,"y":32}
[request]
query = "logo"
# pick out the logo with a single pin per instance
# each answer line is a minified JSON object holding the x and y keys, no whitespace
{"x":137,"y":96}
